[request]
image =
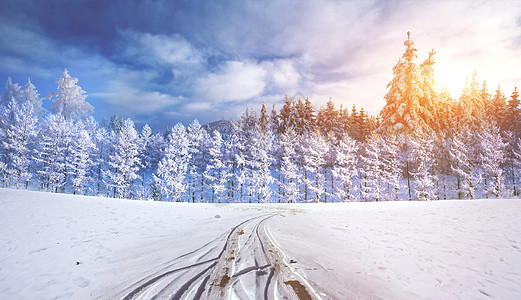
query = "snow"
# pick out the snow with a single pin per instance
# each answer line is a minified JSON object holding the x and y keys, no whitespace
{"x":63,"y":246}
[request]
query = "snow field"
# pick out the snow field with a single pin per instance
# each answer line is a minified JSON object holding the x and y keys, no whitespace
{"x":406,"y":250}
{"x":56,"y":246}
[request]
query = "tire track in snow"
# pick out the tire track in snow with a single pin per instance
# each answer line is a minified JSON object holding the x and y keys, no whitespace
{"x":242,"y":263}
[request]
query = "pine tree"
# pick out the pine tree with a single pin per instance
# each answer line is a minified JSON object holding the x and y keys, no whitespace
{"x":51,"y":153}
{"x":512,"y":114}
{"x":288,"y":115}
{"x":261,"y":162}
{"x":498,"y":107}
{"x":344,"y":170}
{"x":430,"y":94}
{"x":263,"y":119}
{"x":172,"y":171}
{"x":290,"y":177}
{"x":102,"y":141}
{"x":391,"y":166}
{"x":196,"y":136}
{"x":470,"y":107}
{"x":371,"y":170}
{"x":17,"y":142}
{"x":30,"y":95}
{"x":402,"y":111}
{"x":82,"y":150}
{"x":314,"y":163}
{"x":424,"y":177}
{"x":216,"y":172}
{"x":123,"y":162}
{"x":492,"y":156}
{"x":463,"y":164}
{"x":13,"y":92}
{"x":70,"y":100}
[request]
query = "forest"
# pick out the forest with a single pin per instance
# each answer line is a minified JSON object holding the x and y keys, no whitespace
{"x":424,"y":145}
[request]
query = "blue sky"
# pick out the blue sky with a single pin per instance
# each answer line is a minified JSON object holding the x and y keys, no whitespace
{"x":162,"y":62}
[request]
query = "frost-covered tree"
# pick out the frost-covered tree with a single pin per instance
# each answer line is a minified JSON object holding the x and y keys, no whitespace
{"x":314,"y":161}
{"x":51,"y":154}
{"x":123,"y":162}
{"x":463,"y":164}
{"x":173,"y":168}
{"x":20,"y":131}
{"x":70,"y":100}
{"x":261,"y":162}
{"x":371,"y":172}
{"x":13,"y":92}
{"x":344,"y":170}
{"x":196,"y":136}
{"x":512,"y":115}
{"x":391,"y":166}
{"x":403,"y":111}
{"x":217,"y":173}
{"x":424,"y":177}
{"x":290,"y":177}
{"x":492,"y":154}
{"x":30,"y":95}
{"x":470,"y":109}
{"x":82,"y":151}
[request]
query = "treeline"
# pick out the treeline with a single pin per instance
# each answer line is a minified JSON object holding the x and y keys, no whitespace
{"x":424,"y":145}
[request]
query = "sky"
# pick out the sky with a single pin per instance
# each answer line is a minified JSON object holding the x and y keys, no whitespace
{"x":163,"y":62}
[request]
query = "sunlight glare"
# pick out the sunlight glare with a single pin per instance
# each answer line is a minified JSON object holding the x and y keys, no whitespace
{"x":450,"y":78}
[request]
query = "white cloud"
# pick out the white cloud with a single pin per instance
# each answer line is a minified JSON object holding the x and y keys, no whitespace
{"x":132,"y":101}
{"x":234,"y":81}
{"x":160,"y":49}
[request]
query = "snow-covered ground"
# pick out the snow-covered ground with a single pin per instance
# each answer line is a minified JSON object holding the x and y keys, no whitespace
{"x":74,"y":247}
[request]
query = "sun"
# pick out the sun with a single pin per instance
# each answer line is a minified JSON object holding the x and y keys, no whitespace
{"x":450,"y":78}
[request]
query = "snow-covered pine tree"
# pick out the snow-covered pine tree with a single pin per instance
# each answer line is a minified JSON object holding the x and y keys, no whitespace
{"x":13,"y":92}
{"x":391,"y":166}
{"x":430,"y":92}
{"x":51,"y":153}
{"x":17,"y":142}
{"x":70,"y":100}
{"x":216,"y":173}
{"x":123,"y":162}
{"x":403,"y":111}
{"x":314,"y":162}
{"x":463,"y":165}
{"x":512,"y":115}
{"x":196,"y":137}
{"x":492,"y":154}
{"x":288,"y":115}
{"x":422,"y":147}
{"x":102,"y":141}
{"x":344,"y":170}
{"x":172,"y":171}
{"x":470,"y":109}
{"x":30,"y":95}
{"x":80,"y":160}
{"x":497,"y":108}
{"x":371,"y":172}
{"x":290,"y":177}
{"x":261,"y":162}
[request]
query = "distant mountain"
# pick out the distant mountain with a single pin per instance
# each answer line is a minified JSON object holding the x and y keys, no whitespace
{"x":224,"y":127}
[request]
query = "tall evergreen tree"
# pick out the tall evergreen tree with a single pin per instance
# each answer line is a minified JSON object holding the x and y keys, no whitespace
{"x":124,"y":161}
{"x":371,"y":171}
{"x":402,"y":111}
{"x":70,"y":100}
{"x":344,"y":170}
{"x":173,"y":167}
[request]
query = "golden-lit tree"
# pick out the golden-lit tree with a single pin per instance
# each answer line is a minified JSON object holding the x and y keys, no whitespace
{"x":403,"y":111}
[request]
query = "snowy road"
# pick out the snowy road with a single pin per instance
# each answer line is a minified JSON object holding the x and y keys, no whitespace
{"x":241,"y":264}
